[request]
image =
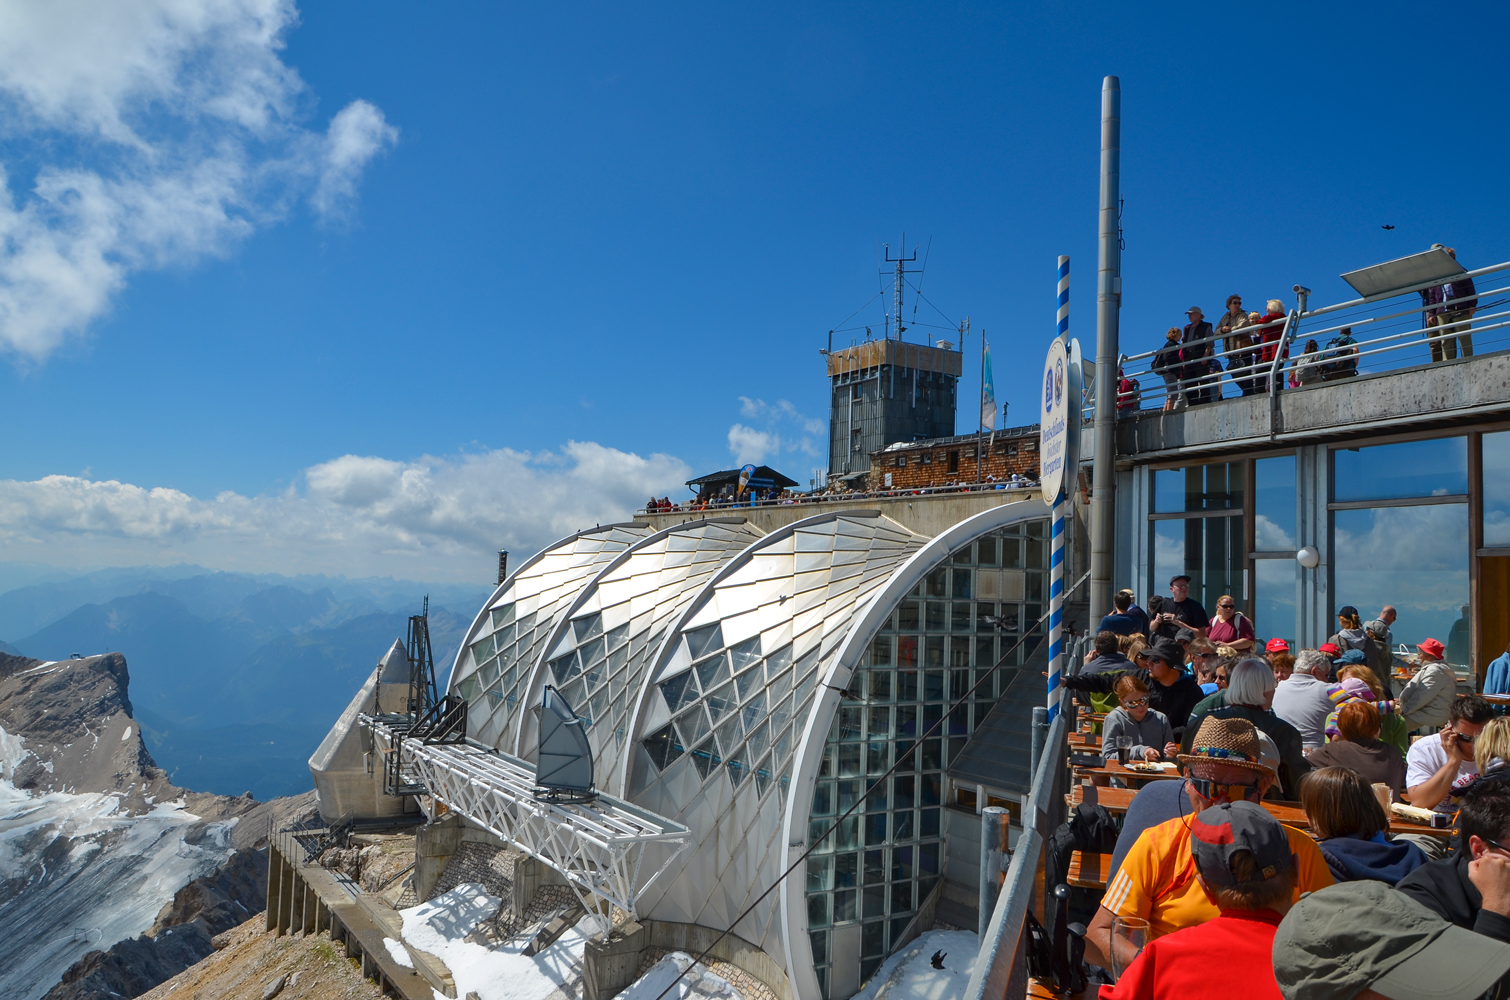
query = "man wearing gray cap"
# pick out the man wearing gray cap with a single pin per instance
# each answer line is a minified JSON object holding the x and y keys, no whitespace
{"x":1365,"y":940}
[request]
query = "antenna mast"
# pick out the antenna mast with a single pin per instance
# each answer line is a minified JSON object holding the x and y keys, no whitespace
{"x":901,"y":270}
{"x":422,"y":693}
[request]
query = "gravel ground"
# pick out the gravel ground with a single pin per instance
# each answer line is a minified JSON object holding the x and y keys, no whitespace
{"x":252,"y":958}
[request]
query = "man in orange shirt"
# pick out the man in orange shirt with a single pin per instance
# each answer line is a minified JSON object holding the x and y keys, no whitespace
{"x":1157,"y":880}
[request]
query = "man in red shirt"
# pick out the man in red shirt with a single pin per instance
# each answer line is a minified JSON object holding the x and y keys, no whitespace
{"x":1245,"y":865}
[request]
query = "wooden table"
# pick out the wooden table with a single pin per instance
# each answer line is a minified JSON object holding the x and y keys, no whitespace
{"x":1496,"y":699}
{"x":1116,"y":800}
{"x":1111,"y":769}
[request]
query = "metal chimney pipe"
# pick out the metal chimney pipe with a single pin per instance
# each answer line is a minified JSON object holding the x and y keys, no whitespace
{"x":1108,"y":302}
{"x":503,"y":565}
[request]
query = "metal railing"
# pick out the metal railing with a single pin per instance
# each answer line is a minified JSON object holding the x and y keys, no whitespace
{"x":1001,"y":968}
{"x":845,"y":496}
{"x":1388,"y":331}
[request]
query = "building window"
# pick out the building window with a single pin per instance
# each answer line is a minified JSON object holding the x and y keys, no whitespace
{"x":857,"y":391}
{"x":927,"y":458}
{"x":1275,"y":544}
{"x":1196,"y":529}
{"x":954,"y":461}
{"x":879,"y":866}
{"x":901,"y":461}
{"x":1399,"y":517}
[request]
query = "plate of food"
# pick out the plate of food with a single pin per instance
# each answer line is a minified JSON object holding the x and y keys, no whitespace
{"x":1148,"y":766}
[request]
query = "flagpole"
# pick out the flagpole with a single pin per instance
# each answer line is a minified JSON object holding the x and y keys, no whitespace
{"x":1057,"y":525}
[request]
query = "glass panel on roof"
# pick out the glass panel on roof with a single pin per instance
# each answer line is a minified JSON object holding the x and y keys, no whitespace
{"x":783,"y":743}
{"x":617,"y":659}
{"x":503,"y":615}
{"x":936,"y":583}
{"x":747,"y":683}
{"x":592,"y":652}
{"x":754,"y":711}
{"x":599,"y":703}
{"x":711,"y":673}
{"x":575,"y":695}
{"x":489,"y":672}
{"x":759,"y":740}
{"x":736,"y":772}
{"x":616,"y":684}
{"x":482,"y":650}
{"x":674,"y":690}
{"x":706,"y":757}
{"x":780,"y":686}
{"x":594,"y":675}
{"x":587,"y":627}
{"x":721,"y":702}
{"x":762,"y":777}
{"x":663,"y":746}
{"x":468,"y":689}
{"x":746,"y":654}
{"x":495,"y":698}
{"x":805,"y":686}
{"x":704,"y":640}
{"x":730,"y":736}
{"x":617,"y":637}
{"x":562,"y":667}
{"x":778,"y":661}
{"x":694,"y":724}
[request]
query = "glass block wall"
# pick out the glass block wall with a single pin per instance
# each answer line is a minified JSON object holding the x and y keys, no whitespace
{"x":880,"y":865}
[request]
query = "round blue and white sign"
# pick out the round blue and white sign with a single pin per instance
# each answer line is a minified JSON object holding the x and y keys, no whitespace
{"x":1053,"y":424}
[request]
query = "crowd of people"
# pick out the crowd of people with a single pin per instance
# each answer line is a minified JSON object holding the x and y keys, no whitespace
{"x":1343,"y":908}
{"x":773,"y":497}
{"x":1245,"y":344}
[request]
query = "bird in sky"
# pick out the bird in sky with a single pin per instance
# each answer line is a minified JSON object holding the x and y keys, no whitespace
{"x":938,"y":959}
{"x":1386,"y":227}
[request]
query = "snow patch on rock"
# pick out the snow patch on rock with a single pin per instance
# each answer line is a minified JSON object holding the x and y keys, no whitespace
{"x":697,"y":983}
{"x":440,"y":927}
{"x":910,"y":975}
{"x":398,"y":952}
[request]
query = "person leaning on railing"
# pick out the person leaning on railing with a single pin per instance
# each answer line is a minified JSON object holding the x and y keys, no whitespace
{"x":1449,"y":308}
{"x":1166,"y":361}
{"x":1237,"y":343}
{"x":1272,"y":323}
{"x":1156,"y":881}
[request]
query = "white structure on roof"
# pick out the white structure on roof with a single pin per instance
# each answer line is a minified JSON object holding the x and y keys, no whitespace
{"x":753,"y":687}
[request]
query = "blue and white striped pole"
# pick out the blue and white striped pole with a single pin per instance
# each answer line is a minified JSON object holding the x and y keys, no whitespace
{"x":1061,"y":507}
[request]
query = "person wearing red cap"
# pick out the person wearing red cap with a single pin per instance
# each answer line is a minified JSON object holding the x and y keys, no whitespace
{"x":1426,"y":699}
{"x":1243,"y":863}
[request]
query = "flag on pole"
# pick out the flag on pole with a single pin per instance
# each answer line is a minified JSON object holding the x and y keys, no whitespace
{"x":987,"y":390}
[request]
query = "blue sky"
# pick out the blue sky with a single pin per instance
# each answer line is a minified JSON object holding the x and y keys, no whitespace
{"x":574,"y":247}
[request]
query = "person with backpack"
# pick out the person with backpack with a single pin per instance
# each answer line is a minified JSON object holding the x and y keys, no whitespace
{"x":1230,"y":627}
{"x":1351,"y":635}
{"x":1129,"y":395}
{"x":1306,"y":368}
{"x":1340,"y":359}
{"x":1167,"y":362}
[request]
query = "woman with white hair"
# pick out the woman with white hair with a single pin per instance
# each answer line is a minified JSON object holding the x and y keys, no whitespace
{"x":1271,"y":327}
{"x":1250,"y":692}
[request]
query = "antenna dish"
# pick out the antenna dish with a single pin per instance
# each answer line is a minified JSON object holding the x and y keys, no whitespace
{"x":564,"y":771}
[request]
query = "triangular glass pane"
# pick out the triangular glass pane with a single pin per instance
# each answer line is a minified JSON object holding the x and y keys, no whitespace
{"x":783,"y":745}
{"x":503,"y":635}
{"x":704,"y":640}
{"x":778,"y":661}
{"x":736,"y":772}
{"x":503,"y":615}
{"x":762,"y":777}
{"x":706,"y":757}
{"x":592,"y":652}
{"x":664,"y":748}
{"x":673,"y":688}
{"x":780,"y":686}
{"x":599,"y":704}
{"x":759,"y":740}
{"x":694,"y":725}
{"x":746,"y":654}
{"x":721,"y":703}
{"x":754,"y":711}
{"x":747,"y":683}
{"x":712,"y":673}
{"x":617,"y":637}
{"x":588,"y":627}
{"x":730,"y":737}
{"x":618,"y":658}
{"x":561,"y":667}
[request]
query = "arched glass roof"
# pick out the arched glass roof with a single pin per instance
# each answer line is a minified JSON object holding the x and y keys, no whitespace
{"x":509,"y":635}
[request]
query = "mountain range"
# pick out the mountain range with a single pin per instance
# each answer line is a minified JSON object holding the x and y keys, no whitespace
{"x":235,"y":678}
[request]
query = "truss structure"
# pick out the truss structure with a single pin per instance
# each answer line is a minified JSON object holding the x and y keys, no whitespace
{"x":598,"y":846}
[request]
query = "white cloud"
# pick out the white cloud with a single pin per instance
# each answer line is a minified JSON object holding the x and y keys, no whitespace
{"x":432,"y":518}
{"x":755,"y":444}
{"x":150,"y":134}
{"x":751,"y":445}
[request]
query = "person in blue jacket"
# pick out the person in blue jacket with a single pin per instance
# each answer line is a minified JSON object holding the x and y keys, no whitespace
{"x":1497,"y":677}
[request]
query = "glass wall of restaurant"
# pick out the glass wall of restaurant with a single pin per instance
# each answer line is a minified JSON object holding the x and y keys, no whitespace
{"x":1419,"y":524}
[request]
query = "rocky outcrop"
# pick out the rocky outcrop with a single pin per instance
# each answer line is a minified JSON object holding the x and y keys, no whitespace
{"x":100,"y":835}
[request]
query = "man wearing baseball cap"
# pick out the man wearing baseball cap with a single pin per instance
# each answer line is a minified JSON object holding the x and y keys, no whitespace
{"x":1156,"y":881}
{"x":1244,"y":863}
{"x":1179,"y":611}
{"x":1366,"y":940}
{"x":1162,"y":668}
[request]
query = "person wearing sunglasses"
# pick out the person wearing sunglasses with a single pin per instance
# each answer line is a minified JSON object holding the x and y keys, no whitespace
{"x":1147,"y":729}
{"x":1160,"y":666}
{"x":1472,"y":888}
{"x":1230,"y":626}
{"x":1438,"y":766}
{"x":1157,"y":878}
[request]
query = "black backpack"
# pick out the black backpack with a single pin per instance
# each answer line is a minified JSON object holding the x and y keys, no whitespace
{"x":1061,"y":949}
{"x":1339,"y":361}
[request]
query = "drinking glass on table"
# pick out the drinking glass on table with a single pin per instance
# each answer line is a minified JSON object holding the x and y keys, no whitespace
{"x":1124,"y":747}
{"x":1129,"y":935}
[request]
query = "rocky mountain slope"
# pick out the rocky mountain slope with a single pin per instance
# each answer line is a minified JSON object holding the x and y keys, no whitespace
{"x":108,"y":872}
